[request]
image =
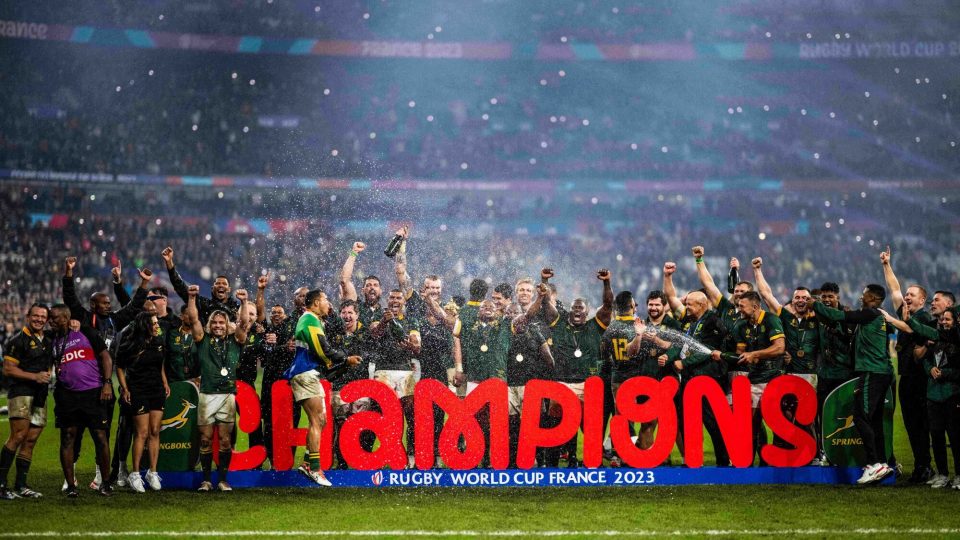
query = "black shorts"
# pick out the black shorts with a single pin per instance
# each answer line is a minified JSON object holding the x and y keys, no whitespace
{"x":143,"y":404}
{"x":82,"y":409}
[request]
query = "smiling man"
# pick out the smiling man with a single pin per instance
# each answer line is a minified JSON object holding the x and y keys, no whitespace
{"x":219,"y":300}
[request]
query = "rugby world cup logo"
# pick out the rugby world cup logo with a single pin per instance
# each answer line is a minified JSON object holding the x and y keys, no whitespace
{"x":377,"y":478}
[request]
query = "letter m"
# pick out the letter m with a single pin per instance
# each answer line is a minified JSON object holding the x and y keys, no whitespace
{"x":488,"y":401}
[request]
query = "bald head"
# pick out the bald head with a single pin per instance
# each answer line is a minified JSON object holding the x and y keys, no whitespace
{"x":696,"y":303}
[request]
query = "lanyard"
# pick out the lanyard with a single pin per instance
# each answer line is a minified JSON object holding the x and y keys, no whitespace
{"x":218,"y":356}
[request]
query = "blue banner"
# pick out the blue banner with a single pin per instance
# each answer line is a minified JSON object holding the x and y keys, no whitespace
{"x":662,"y":476}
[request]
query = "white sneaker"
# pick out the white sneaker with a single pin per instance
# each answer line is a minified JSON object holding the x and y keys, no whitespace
{"x":135,"y":482}
{"x":932,"y":479}
{"x":122,"y":475}
{"x":97,"y":480}
{"x":153,"y":480}
{"x":874,"y":473}
{"x":316,"y":476}
{"x":955,"y":483}
{"x":939,"y":481}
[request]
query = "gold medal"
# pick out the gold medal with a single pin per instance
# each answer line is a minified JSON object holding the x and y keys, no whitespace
{"x":519,"y":358}
{"x":224,"y":372}
{"x":800,"y":353}
{"x":484,"y":348}
{"x":577,"y":353}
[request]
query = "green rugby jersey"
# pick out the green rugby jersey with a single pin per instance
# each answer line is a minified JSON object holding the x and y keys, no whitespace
{"x":643,"y":364}
{"x":803,"y":341}
{"x":483,"y":347}
{"x":836,"y":350}
{"x":869,"y":337}
{"x":566,"y":339}
{"x":751,"y":337}
{"x":181,"y":359}
{"x":709,"y":331}
{"x":218,"y":359}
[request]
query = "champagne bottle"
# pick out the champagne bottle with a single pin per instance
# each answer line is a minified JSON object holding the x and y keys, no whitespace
{"x":394,"y":246}
{"x":732,"y":279}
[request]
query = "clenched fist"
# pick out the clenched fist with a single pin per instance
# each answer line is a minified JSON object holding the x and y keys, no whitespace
{"x":697,"y":251}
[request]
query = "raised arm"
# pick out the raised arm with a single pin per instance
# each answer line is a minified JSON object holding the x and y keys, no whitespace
{"x":191,"y":314}
{"x":713,"y":293}
{"x":178,"y":284}
{"x":127,"y":313}
{"x":893,"y":285}
{"x":903,"y":326}
{"x":400,"y":265}
{"x":519,"y":323}
{"x":605,"y":313}
{"x":764,"y":288}
{"x":242,"y":326}
{"x":261,"y":301}
{"x":77,"y":311}
{"x":550,"y":312}
{"x":449,"y":319}
{"x":117,"y":273}
{"x":676,"y":306}
{"x":347,"y":290}
{"x":860,"y":316}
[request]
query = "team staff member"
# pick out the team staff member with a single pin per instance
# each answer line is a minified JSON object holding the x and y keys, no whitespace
{"x":760,"y":345}
{"x":83,"y":394}
{"x":314,"y":353}
{"x":704,"y":325}
{"x":874,"y":372}
{"x":144,"y":388}
{"x":943,"y":387}
{"x":912,"y":388}
{"x":99,"y":317}
{"x":26,"y":366}
{"x":107,"y":323}
{"x":218,"y":356}
{"x":279,"y":350}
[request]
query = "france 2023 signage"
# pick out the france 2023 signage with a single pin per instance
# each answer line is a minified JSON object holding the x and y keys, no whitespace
{"x":734,"y":419}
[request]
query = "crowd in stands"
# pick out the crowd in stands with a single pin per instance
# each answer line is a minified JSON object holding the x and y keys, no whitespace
{"x":125,"y":111}
{"x":463,"y":235}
